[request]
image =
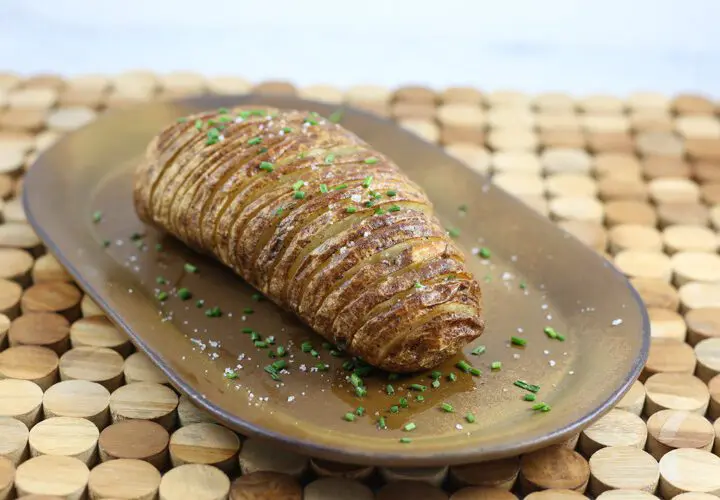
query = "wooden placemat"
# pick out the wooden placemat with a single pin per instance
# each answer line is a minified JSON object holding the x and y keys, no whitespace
{"x":636,"y":178}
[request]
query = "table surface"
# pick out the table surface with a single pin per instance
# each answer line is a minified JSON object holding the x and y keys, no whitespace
{"x":612,"y":47}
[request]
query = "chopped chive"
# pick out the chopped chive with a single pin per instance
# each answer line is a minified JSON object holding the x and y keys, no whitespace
{"x":299,"y":195}
{"x":418,"y":285}
{"x":453,"y":232}
{"x":452,"y":377}
{"x":478,"y":350}
{"x":409,"y":427}
{"x":348,"y":365}
{"x":351,"y":210}
{"x":247,"y":330}
{"x":470,"y":418}
{"x":496,"y":365}
{"x":435,"y":383}
{"x":97,"y":216}
{"x":310,"y":121}
{"x":340,"y":186}
{"x":182,"y":119}
{"x":540,"y":406}
{"x":435,"y":375}
{"x":199,"y":303}
{"x":464,"y":366}
{"x":475,"y":371}
{"x":254,"y":336}
{"x":394,"y":409}
{"x":213,"y":312}
{"x":366,"y":182}
{"x":329,"y":159}
{"x":381,"y":423}
{"x":418,"y":387}
{"x":255,"y":141}
{"x":528,"y":387}
{"x":360,"y":411}
{"x":350,"y":417}
{"x":323,"y":367}
{"x":529,"y":397}
{"x":272,"y":371}
{"x":198,"y":124}
{"x":518,"y":341}
{"x":389,"y":389}
{"x":287,"y":130}
{"x":463,"y":208}
{"x":266,"y":166}
{"x":355,"y":380}
{"x":223,"y":111}
{"x":335,"y":353}
{"x":405,"y":440}
{"x":391,"y":193}
{"x":184,"y":294}
{"x":336,"y":116}
{"x":261,"y":344}
{"x":257,"y":297}
{"x":279,"y":211}
{"x":323,"y":188}
{"x":106,"y":243}
{"x":523,"y":285}
{"x":368,"y":203}
{"x":550,"y":332}
{"x":403,"y":402}
{"x":487,"y":278}
{"x":360,"y":391}
{"x":280,"y":351}
{"x":314,"y":353}
{"x":484,"y":252}
{"x":394,"y":208}
{"x":230,"y":374}
{"x":279,"y":364}
{"x":160,"y":280}
{"x":371,"y":160}
{"x":306,"y":346}
{"x":297,"y":185}
{"x":379,"y":211}
{"x":248,"y":310}
{"x":419,"y":398}
{"x":158,"y":247}
{"x":190,"y":268}
{"x":136,"y":236}
{"x":447,"y":407}
{"x":162,"y":296}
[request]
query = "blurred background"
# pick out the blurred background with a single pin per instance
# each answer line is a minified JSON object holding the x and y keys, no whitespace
{"x":576,"y":46}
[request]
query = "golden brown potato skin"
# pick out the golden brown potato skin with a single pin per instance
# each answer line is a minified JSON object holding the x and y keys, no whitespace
{"x":323,"y":225}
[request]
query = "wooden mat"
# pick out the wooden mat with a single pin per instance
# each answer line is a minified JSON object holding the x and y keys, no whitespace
{"x":637,"y":179}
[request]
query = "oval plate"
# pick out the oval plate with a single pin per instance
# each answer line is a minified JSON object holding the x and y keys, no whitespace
{"x":537,"y":276}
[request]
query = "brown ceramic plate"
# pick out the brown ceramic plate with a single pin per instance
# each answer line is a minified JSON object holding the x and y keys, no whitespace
{"x":537,"y":276}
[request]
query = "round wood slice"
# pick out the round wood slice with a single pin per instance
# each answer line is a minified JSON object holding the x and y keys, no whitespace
{"x":95,"y":364}
{"x":7,"y":478}
{"x":699,"y":296}
{"x":570,"y":184}
{"x":412,"y":110}
{"x":616,"y":428}
{"x":669,"y":356}
{"x":145,"y":400}
{"x":660,"y":144}
{"x":512,"y":140}
{"x":623,"y":467}
{"x":79,"y":399}
{"x":671,"y":429}
{"x":508,"y":99}
{"x":475,"y":157}
{"x":695,"y":496}
{"x":692,"y":104}
{"x":263,"y":485}
{"x":695,"y":267}
{"x":617,"y":166}
{"x":33,"y":99}
{"x":182,"y":83}
{"x":322,"y":93}
{"x":98,"y":331}
{"x":685,"y":238}
{"x":139,"y":368}
{"x":137,"y":440}
{"x":196,"y":481}
{"x":682,"y":213}
{"x":492,"y":474}
{"x":644,"y":264}
{"x":516,"y":161}
{"x":189,"y":414}
{"x":228,"y":85}
{"x":550,"y":138}
{"x":210,"y":444}
{"x":657,"y":293}
{"x":590,"y":233}
{"x":648,"y":101}
{"x":4,"y":328}
{"x":10,"y":293}
{"x":335,"y":487}
{"x":465,"y":95}
{"x":634,"y":237}
{"x":521,"y":185}
{"x":260,"y":455}
{"x":611,"y":188}
{"x":124,"y":478}
{"x":629,"y":212}
{"x":634,"y":400}
{"x":511,"y":118}
{"x":404,"y":489}
{"x":626,"y":495}
{"x":327,"y":468}
{"x":708,"y":359}
{"x":689,"y":470}
{"x":66,"y":436}
{"x":555,"y":494}
{"x":583,"y":208}
{"x":13,"y":445}
{"x":666,"y":324}
{"x":15,"y":265}
{"x":423,"y":128}
{"x":676,"y":391}
{"x":29,"y":362}
{"x":557,"y":160}
{"x":70,"y":118}
{"x":65,"y":477}
{"x":553,"y":102}
{"x":554,"y":467}
{"x":41,"y":329}
{"x":480,"y":493}
{"x":431,"y":475}
{"x":55,"y":297}
{"x":714,"y":389}
{"x":674,"y":190}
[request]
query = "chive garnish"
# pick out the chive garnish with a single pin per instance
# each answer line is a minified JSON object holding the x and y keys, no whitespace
{"x":409,"y":427}
{"x":248,"y":310}
{"x":310,"y":121}
{"x":528,"y":387}
{"x":519,"y":341}
{"x":355,"y":380}
{"x":394,"y":409}
{"x":418,"y":387}
{"x":160,"y":280}
{"x":389,"y":389}
{"x":484,"y":252}
{"x":394,"y":208}
{"x":182,"y":119}
{"x":279,"y":364}
{"x":97,"y":216}
{"x":280,"y":351}
{"x":297,"y":185}
{"x":381,"y":423}
{"x":247,"y":330}
{"x":272,"y":371}
{"x":478,"y":350}
{"x":279,"y":211}
{"x":351,"y":210}
{"x":254,"y":336}
{"x":254,"y":141}
{"x":447,"y":407}
{"x":371,"y":160}
{"x":287,"y":130}
{"x":435,"y":383}
{"x":340,"y":186}
{"x":360,"y":411}
{"x":405,"y":440}
{"x":257,"y":297}
{"x":266,"y":166}
{"x":323,"y":367}
{"x":403,"y":402}
{"x":470,"y":418}
{"x":314,"y":353}
{"x":453,"y":232}
{"x":299,"y":195}
{"x":162,"y":296}
{"x":529,"y":397}
{"x":198,"y":124}
{"x":475,"y":371}
{"x":323,"y":188}
{"x":366,"y":182}
{"x":419,"y":398}
{"x":464,"y":366}
{"x":199,"y":303}
{"x":435,"y":375}
{"x":350,"y":417}
{"x":543,"y":407}
{"x":230,"y":374}
{"x":106,"y":243}
{"x":329,"y":159}
{"x":391,"y":193}
{"x":213,"y":312}
{"x":190,"y":268}
{"x":261,"y":344}
{"x":463,"y":208}
{"x":360,"y":391}
{"x":523,"y":285}
{"x":184,"y":294}
{"x":452,"y":377}
{"x":306,"y":346}
{"x":418,"y":285}
{"x":379,"y":211}
{"x":158,"y":247}
{"x":496,"y":365}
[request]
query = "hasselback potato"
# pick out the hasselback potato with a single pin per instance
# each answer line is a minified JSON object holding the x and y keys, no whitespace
{"x":320,"y":223}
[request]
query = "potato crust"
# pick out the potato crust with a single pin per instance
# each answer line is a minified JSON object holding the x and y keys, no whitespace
{"x":319,"y":222}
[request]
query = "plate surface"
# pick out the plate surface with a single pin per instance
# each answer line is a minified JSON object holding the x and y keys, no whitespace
{"x":537,"y":276}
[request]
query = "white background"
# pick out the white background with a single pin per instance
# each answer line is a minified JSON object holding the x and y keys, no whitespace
{"x":579,"y":46}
